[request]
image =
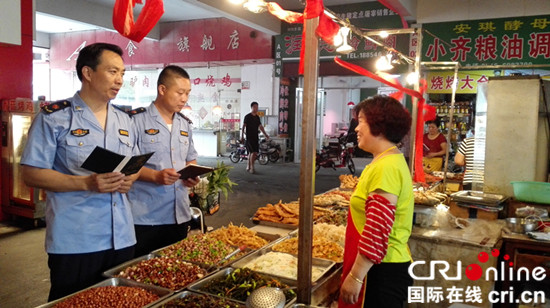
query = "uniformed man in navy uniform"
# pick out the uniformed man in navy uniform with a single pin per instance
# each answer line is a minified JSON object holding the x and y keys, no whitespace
{"x":160,"y":199}
{"x":89,"y":225}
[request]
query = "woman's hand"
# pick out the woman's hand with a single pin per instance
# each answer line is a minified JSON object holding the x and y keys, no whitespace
{"x":349,"y":292}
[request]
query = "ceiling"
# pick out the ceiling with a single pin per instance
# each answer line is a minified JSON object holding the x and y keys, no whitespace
{"x":57,"y":16}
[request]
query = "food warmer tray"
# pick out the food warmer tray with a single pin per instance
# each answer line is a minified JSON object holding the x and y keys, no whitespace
{"x":198,"y":285}
{"x":326,"y":265}
{"x":163,"y":293}
{"x":189,"y":293}
{"x":113,"y":272}
{"x":478,"y":197}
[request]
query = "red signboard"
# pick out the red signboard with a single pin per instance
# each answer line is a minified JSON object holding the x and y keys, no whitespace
{"x":195,"y":41}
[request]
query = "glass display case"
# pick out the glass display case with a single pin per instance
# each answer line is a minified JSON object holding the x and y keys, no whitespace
{"x":17,"y":198}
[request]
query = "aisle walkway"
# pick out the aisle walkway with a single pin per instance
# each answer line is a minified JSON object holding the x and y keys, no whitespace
{"x":24,"y":280}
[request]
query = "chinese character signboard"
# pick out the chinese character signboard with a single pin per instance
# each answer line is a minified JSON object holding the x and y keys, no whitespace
{"x":284,"y":89}
{"x":467,"y":81}
{"x":503,"y":41}
{"x":193,"y":41}
{"x":368,"y":15}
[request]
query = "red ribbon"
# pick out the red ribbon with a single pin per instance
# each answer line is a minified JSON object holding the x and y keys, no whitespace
{"x":123,"y":18}
{"x":427,"y":112}
{"x":326,"y":29}
{"x":391,"y":7}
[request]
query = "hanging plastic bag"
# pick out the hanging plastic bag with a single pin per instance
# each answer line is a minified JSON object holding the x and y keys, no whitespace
{"x":123,"y":18}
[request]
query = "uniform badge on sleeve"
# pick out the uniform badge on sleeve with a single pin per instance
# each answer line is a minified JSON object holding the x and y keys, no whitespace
{"x":123,"y":132}
{"x":80,"y":132}
{"x":151,"y":131}
{"x":184,"y":133}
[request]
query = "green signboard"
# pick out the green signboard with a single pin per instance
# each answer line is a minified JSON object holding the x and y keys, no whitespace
{"x":503,"y":41}
{"x":366,"y":16}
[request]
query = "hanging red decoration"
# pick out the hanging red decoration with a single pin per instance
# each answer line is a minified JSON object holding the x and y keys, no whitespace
{"x":326,"y":29}
{"x":123,"y":18}
{"x":425,"y":111}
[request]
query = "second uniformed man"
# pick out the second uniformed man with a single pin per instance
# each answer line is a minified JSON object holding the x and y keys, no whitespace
{"x":159,"y":199}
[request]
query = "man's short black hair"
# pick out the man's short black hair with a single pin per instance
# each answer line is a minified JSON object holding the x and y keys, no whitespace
{"x":169,"y":72}
{"x":89,"y":56}
{"x":253,"y":103}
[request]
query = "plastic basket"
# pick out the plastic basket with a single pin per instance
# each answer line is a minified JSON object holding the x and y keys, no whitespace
{"x":538,"y":192}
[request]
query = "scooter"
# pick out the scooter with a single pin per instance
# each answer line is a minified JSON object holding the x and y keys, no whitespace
{"x":269,"y":152}
{"x":336,"y":155}
{"x":239,"y":153}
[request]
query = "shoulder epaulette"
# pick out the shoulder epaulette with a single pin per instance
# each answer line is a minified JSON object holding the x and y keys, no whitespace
{"x":186,"y":118}
{"x":137,"y":111}
{"x":125,"y":110}
{"x":56,"y":106}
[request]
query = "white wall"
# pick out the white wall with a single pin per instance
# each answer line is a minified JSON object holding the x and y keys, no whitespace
{"x":260,"y":77}
{"x":10,"y":15}
{"x":429,"y":11}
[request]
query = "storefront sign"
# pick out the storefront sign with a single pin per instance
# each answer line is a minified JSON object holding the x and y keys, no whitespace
{"x":194,"y":41}
{"x":502,"y":41}
{"x":284,"y":89}
{"x":368,"y":15}
{"x":23,"y":106}
{"x":442,"y":81}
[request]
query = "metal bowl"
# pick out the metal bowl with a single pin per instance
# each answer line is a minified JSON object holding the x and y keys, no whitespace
{"x":521,"y":225}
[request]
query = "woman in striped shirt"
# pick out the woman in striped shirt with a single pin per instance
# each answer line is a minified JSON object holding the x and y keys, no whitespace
{"x":376,"y":255}
{"x":465,"y":157}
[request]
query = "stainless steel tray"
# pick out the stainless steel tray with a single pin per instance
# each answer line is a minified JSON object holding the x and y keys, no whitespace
{"x":325,"y":265}
{"x":163,"y":293}
{"x":273,"y":224}
{"x":477,"y":197}
{"x":113,"y":272}
{"x":206,"y":266}
{"x":184,"y":294}
{"x":197,"y":286}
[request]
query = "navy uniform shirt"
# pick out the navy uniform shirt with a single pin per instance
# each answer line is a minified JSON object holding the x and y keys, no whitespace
{"x":60,"y":138}
{"x":154,"y":204}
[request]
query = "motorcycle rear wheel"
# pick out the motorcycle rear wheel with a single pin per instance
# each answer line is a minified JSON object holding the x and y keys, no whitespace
{"x":234,"y":157}
{"x":263,"y":159}
{"x":274,"y":157}
{"x":351,"y":166}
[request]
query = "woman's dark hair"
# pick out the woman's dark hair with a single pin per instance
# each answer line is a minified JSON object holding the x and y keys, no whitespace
{"x":437,"y":122}
{"x":386,"y":116}
{"x":169,"y":72}
{"x":89,"y":56}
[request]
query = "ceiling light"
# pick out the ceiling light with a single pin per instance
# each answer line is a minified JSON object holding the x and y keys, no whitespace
{"x":384,"y":63}
{"x":412,"y":78}
{"x":255,"y":6}
{"x":345,"y":48}
{"x":217,"y":110}
{"x":383,"y":34}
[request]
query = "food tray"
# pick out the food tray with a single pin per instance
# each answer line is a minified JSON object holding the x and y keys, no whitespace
{"x":197,"y":286}
{"x":273,"y":224}
{"x":477,"y":197}
{"x":326,"y":265}
{"x":189,"y":293}
{"x":113,"y":272}
{"x":163,"y":293}
{"x":207,"y":266}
